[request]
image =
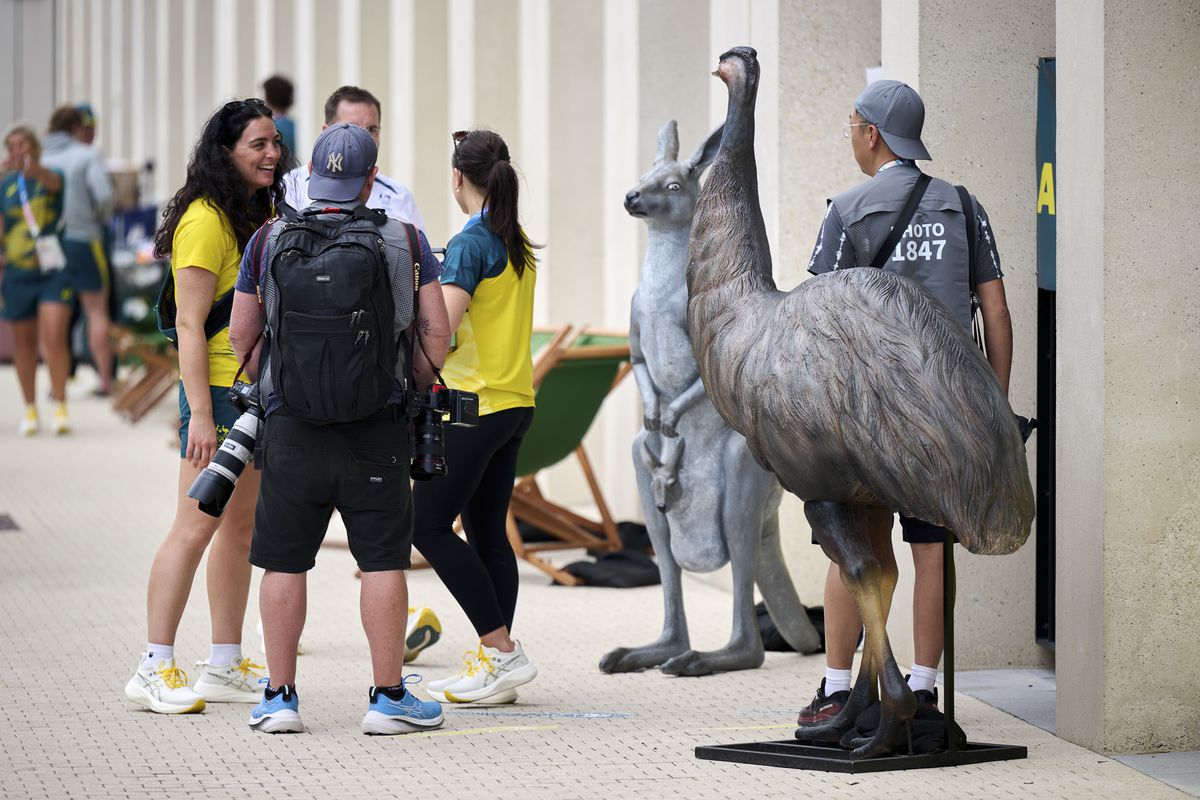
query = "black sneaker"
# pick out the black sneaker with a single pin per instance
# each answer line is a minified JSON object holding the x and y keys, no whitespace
{"x":823,"y":707}
{"x":927,"y":700}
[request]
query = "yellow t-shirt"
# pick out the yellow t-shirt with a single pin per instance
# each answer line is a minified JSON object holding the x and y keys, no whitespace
{"x":491,"y":355}
{"x":204,"y":239}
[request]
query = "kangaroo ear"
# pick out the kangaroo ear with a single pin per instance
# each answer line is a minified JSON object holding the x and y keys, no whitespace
{"x":707,"y":152}
{"x":648,"y":457}
{"x":668,"y":143}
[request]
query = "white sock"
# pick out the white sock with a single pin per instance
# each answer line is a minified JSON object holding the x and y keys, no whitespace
{"x":222,"y":655}
{"x":836,"y":680}
{"x":922,"y":679}
{"x":156,"y":653}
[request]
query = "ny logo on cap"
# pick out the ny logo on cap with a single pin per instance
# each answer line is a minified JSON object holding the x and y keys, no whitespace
{"x":335,"y":162}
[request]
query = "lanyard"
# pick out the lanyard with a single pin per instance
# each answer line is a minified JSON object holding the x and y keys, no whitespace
{"x":897,"y":162}
{"x":35,"y":230}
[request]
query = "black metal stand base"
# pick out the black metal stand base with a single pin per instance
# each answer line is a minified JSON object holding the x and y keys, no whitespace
{"x":831,"y":758}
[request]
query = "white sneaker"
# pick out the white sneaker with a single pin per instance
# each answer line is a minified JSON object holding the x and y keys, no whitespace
{"x":502,"y":699}
{"x":231,"y":683}
{"x":434,"y":688}
{"x":29,"y":423}
{"x":422,"y":632}
{"x":164,"y":690}
{"x":492,"y":673}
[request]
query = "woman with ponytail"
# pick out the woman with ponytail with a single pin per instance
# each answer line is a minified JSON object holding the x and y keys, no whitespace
{"x":487,"y":283}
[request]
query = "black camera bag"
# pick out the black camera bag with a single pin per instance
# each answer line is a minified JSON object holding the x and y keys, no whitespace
{"x":333,"y":348}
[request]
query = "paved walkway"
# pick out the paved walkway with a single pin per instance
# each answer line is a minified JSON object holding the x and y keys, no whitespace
{"x":91,"y":509}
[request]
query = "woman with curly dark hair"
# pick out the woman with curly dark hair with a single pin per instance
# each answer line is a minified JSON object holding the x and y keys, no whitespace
{"x":234,"y":179}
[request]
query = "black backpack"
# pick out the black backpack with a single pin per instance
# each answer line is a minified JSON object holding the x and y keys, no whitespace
{"x":332,"y":344}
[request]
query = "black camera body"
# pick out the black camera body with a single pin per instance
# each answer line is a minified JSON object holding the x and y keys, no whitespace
{"x":214,"y":485}
{"x":430,"y":410}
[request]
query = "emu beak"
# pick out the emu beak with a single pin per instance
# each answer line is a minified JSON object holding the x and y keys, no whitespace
{"x":716,"y":73}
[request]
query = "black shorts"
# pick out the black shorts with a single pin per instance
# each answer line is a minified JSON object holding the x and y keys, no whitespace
{"x":915,"y":531}
{"x":359,"y":468}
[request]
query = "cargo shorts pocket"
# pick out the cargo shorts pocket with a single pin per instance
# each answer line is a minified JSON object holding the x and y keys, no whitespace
{"x":378,"y":466}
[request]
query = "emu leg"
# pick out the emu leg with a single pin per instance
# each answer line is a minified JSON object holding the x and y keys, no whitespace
{"x":855,"y":545}
{"x":674,"y":637}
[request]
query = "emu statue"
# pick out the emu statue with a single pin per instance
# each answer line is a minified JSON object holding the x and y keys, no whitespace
{"x":705,"y":501}
{"x":856,"y":389}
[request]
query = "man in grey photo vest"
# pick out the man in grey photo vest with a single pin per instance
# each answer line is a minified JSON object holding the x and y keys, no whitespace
{"x":885,"y":133}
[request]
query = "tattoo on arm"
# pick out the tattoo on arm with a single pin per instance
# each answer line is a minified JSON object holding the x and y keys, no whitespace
{"x":424,"y":325}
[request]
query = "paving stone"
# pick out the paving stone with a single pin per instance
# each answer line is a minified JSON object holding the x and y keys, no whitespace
{"x":92,"y":508}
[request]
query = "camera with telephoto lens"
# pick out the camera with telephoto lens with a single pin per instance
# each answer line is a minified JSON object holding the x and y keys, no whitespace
{"x":430,"y":410}
{"x":214,"y":486}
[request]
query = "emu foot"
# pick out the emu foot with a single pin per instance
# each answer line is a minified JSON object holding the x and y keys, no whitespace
{"x":893,"y":732}
{"x":634,"y":659}
{"x":695,"y":663}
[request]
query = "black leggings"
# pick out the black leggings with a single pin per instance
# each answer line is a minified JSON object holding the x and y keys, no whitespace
{"x":481,"y":464}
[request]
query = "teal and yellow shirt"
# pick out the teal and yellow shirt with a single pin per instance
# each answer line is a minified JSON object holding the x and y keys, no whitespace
{"x":19,"y":250}
{"x":491,"y":355}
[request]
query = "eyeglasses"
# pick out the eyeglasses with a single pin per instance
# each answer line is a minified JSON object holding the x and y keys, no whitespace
{"x":458,"y":136}
{"x":846,"y":128}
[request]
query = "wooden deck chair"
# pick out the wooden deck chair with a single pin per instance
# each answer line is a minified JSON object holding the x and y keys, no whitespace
{"x":151,"y":380}
{"x":571,"y":379}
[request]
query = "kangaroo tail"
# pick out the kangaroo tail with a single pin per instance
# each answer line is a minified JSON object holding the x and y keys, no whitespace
{"x":779,"y":593}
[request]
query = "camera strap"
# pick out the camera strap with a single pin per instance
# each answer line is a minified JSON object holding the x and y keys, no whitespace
{"x":906,"y":215}
{"x":968,"y":207}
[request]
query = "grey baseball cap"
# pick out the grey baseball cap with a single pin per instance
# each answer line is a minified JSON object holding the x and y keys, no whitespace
{"x":897,"y":110}
{"x":342,"y":159}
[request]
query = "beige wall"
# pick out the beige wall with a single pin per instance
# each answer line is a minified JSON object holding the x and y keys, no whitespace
{"x":975,"y":67}
{"x":821,"y":71}
{"x":1129,"y":370}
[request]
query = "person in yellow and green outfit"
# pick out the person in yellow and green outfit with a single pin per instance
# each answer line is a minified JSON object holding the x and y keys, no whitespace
{"x":35,"y":294}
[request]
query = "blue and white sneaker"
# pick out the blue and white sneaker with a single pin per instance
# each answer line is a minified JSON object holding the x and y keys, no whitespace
{"x":278,"y":711}
{"x":387,"y":716}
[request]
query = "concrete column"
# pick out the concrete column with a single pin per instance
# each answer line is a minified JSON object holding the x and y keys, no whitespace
{"x":533,"y":149}
{"x":264,"y":40}
{"x":349,"y":35}
{"x":396,"y":84}
{"x":28,"y":55}
{"x":431,"y":140}
{"x":821,"y":69}
{"x":1128,"y":467}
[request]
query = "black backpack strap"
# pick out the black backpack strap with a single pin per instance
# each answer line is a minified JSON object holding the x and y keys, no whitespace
{"x":285,"y":211}
{"x":969,"y":213}
{"x":218,"y":315}
{"x":374,"y":215}
{"x":968,"y":207}
{"x":906,"y":215}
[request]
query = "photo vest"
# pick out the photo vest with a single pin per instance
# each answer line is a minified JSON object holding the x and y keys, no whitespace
{"x":933,"y":250}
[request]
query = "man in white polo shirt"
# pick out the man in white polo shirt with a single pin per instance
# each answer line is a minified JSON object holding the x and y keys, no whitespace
{"x":358,"y":107}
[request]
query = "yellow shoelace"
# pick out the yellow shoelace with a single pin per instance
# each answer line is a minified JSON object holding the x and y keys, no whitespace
{"x":482,"y":661}
{"x":248,"y":667}
{"x":173,"y":676}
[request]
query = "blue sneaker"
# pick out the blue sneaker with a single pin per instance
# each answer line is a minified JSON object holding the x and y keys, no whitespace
{"x":278,"y":711}
{"x":386,"y":716}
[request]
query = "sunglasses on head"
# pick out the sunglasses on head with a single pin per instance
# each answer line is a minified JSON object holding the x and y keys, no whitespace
{"x":458,"y":137}
{"x":233,"y":105}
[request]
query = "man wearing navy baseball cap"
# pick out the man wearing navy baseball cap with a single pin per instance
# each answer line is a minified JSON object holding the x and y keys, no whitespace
{"x":334,"y":382}
{"x":938,"y":235}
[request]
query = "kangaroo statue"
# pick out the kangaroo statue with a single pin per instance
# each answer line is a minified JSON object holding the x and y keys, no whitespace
{"x":705,"y":500}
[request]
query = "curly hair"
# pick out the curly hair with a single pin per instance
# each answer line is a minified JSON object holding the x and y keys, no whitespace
{"x":212,"y":175}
